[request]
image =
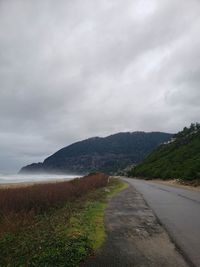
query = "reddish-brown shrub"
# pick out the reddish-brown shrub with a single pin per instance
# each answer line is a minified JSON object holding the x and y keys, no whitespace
{"x":41,"y":197}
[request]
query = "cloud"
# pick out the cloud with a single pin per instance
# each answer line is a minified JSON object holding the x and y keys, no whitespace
{"x":75,"y":69}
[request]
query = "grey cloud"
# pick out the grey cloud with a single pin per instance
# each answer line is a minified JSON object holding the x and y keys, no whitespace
{"x":74,"y":69}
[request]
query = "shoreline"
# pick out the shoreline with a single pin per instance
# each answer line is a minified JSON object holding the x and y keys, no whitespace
{"x":31,"y":183}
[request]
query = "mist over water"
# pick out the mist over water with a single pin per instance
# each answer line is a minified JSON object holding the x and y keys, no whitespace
{"x":21,"y":178}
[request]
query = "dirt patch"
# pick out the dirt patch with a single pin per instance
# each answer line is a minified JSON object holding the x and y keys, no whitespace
{"x":134,"y":236}
{"x":193,"y":185}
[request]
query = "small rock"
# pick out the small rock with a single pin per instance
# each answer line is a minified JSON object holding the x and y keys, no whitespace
{"x":107,"y":190}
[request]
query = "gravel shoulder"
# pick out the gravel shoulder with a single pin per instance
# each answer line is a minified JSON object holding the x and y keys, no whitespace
{"x":134,"y":236}
{"x":175,"y":183}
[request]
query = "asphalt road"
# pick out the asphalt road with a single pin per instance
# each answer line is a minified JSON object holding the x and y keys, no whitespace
{"x":134,"y":236}
{"x":178,"y":210}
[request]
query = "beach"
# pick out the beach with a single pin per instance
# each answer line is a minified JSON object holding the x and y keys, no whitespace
{"x":18,"y":180}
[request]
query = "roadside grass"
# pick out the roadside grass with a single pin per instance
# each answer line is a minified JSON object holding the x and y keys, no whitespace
{"x":61,"y":236}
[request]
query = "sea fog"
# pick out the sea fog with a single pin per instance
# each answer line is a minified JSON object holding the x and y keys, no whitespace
{"x":23,"y":178}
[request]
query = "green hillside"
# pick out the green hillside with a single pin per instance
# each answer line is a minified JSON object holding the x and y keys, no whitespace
{"x":178,"y":158}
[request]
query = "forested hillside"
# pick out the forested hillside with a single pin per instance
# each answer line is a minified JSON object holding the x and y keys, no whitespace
{"x":178,"y":158}
{"x":110,"y":154}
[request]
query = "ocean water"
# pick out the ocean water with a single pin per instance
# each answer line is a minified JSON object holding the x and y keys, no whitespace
{"x":21,"y":178}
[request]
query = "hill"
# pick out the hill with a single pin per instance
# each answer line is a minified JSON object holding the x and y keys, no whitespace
{"x":178,"y":158}
{"x":109,"y":154}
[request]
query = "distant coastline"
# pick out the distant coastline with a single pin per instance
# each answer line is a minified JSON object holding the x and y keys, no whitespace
{"x":18,"y":180}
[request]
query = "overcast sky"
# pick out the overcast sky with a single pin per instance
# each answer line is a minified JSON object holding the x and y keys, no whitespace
{"x":73,"y":69}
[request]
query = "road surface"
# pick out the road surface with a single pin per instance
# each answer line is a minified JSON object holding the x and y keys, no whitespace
{"x":178,"y":210}
{"x":134,"y":236}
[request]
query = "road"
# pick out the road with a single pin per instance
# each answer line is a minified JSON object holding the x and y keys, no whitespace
{"x":134,"y":236}
{"x":178,"y":210}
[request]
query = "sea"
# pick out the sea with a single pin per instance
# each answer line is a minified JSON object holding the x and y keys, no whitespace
{"x":33,"y":178}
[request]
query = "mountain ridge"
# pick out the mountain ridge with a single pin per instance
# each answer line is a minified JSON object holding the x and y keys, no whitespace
{"x":109,"y":154}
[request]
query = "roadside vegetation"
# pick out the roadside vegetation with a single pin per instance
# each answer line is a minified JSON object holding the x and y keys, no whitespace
{"x":177,"y":159}
{"x":57,"y":224}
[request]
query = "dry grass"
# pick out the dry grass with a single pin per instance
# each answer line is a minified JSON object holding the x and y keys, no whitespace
{"x":59,"y":227}
{"x":40,"y":197}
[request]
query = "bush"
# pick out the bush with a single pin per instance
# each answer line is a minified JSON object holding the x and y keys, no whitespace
{"x":41,"y":197}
